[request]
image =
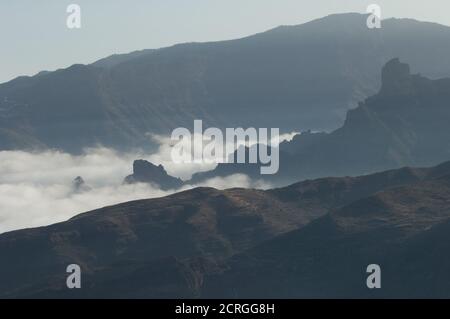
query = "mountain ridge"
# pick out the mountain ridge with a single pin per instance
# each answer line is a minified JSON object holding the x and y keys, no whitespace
{"x":179,"y":243}
{"x":404,"y":124}
{"x":328,"y":257}
{"x":311,"y":74}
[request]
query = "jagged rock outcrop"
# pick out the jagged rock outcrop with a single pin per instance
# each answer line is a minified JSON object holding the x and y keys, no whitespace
{"x":146,"y":172}
{"x":395,"y":78}
{"x":405,"y":124}
{"x":79,"y":185}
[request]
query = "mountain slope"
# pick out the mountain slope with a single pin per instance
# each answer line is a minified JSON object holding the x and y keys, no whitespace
{"x":291,"y":77}
{"x":166,"y":247}
{"x":118,"y":240}
{"x":404,"y":124}
{"x":402,"y":229}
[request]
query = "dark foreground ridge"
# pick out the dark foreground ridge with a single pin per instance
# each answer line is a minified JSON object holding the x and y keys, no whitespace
{"x":310,"y":239}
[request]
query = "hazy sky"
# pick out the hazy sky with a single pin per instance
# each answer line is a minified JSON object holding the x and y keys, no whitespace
{"x":34,"y":35}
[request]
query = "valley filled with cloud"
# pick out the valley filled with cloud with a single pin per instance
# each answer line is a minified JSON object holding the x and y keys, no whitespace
{"x":37,"y":188}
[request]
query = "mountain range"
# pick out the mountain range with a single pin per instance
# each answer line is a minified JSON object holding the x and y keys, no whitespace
{"x":312,"y":238}
{"x":368,"y":178}
{"x":292,"y":77}
{"x":403,"y":229}
{"x":404,"y":124}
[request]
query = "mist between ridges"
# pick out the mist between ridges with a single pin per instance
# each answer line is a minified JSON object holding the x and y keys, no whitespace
{"x":235,"y":145}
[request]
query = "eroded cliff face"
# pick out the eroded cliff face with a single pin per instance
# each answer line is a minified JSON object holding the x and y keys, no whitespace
{"x":404,"y":124}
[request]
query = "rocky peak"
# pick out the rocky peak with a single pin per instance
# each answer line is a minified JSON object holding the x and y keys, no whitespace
{"x":146,"y":172}
{"x":79,"y":185}
{"x":395,"y":78}
{"x":142,"y":168}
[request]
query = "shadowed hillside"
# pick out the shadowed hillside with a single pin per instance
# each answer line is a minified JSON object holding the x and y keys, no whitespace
{"x":402,"y":229}
{"x":404,"y":124}
{"x":168,"y":247}
{"x":292,"y":77}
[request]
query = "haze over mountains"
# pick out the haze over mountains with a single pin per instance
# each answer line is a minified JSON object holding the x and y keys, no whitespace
{"x":405,"y":123}
{"x":292,"y":77}
{"x":356,"y":195}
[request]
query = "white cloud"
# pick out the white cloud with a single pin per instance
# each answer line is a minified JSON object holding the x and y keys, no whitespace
{"x":36,"y":188}
{"x":29,"y":204}
{"x":185,"y":170}
{"x":164,"y":157}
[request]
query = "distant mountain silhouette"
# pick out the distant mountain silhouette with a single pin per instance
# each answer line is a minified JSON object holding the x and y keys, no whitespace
{"x":312,"y":238}
{"x":146,"y":172}
{"x":404,"y":124}
{"x":292,"y":77}
{"x":79,"y":185}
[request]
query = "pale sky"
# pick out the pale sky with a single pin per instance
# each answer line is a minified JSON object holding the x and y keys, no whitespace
{"x":34,"y":36}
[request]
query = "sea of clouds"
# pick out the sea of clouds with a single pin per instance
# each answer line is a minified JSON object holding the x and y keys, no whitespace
{"x":36,"y":188}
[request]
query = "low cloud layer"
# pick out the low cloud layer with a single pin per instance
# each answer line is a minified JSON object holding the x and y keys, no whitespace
{"x":36,"y":188}
{"x":185,"y":170}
